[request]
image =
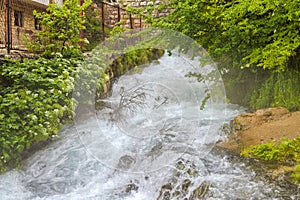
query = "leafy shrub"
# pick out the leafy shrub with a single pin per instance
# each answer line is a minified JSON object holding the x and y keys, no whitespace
{"x":286,"y":151}
{"x":36,"y":96}
{"x":296,"y":174}
{"x":61,"y":27}
{"x":35,"y":100}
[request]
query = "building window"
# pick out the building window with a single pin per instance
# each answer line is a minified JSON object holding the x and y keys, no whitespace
{"x":18,"y":18}
{"x":37,"y":24}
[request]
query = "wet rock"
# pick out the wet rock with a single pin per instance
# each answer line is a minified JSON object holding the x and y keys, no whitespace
{"x":165,"y":192}
{"x":186,"y":184}
{"x":263,"y":126}
{"x":167,"y":187}
{"x":156,"y":150}
{"x":125,"y":162}
{"x":182,"y":185}
{"x":131,"y":187}
{"x":39,"y":188}
{"x":63,"y":171}
{"x":201,"y":191}
{"x":59,"y":187}
{"x":45,"y":187}
{"x":282,"y":172}
{"x":168,"y":191}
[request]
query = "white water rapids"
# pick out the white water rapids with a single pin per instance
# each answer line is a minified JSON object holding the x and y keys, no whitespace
{"x":150,"y":141}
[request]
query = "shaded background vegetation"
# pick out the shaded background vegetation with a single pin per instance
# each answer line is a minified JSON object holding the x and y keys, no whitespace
{"x":255,"y":43}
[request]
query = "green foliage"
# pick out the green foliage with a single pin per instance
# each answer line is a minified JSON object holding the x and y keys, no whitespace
{"x":280,"y":89}
{"x":36,"y":96}
{"x":259,"y":33}
{"x":35,"y":100}
{"x":118,"y":29}
{"x":93,"y":27}
{"x":286,"y":151}
{"x":123,"y":64}
{"x":267,"y":31}
{"x":197,"y":19}
{"x":61,"y":26}
{"x":241,"y":34}
{"x":201,"y":20}
{"x":296,"y":174}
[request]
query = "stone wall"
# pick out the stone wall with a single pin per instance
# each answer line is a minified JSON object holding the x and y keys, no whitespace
{"x":28,"y":29}
{"x":111,"y":13}
{"x":19,"y":33}
{"x":114,"y":13}
{"x":111,"y":18}
{"x":138,"y":3}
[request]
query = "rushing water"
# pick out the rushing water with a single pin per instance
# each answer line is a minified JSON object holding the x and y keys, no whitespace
{"x":150,"y":141}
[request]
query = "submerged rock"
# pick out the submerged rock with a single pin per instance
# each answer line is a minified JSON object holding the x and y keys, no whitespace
{"x":131,"y":187}
{"x":201,"y":191}
{"x":182,"y":185}
{"x":125,"y":162}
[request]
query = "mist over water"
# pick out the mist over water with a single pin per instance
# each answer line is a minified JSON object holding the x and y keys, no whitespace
{"x":150,"y":141}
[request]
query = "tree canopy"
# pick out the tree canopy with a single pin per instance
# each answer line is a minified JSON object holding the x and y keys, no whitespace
{"x":260,"y":33}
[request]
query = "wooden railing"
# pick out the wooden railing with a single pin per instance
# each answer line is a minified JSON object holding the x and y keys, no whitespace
{"x":113,"y":14}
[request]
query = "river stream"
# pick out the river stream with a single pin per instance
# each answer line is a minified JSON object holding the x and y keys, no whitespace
{"x":149,"y":141}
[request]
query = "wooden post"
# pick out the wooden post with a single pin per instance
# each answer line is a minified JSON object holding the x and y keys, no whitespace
{"x":5,"y":23}
{"x":103,"y":25}
{"x":119,"y":13}
{"x":8,"y":26}
{"x":81,"y":31}
{"x":141,"y":23}
{"x":130,"y":19}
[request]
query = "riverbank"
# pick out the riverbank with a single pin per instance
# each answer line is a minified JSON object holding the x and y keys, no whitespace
{"x":262,"y":127}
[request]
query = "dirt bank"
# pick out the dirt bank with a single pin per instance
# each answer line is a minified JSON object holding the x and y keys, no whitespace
{"x":260,"y":127}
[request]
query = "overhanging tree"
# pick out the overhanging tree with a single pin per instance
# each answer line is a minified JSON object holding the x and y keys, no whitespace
{"x":266,"y":32}
{"x":257,"y":36}
{"x":261,"y":33}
